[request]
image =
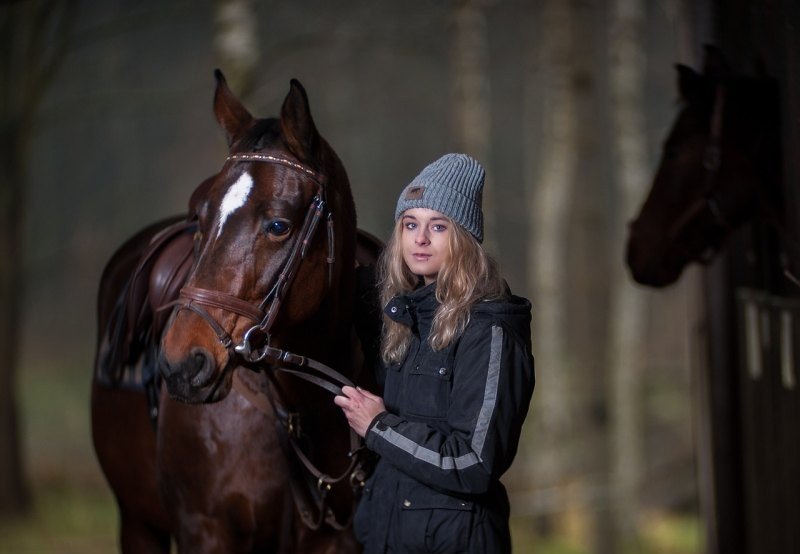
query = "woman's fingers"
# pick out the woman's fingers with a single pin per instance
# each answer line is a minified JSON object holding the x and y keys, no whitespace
{"x":341,"y":401}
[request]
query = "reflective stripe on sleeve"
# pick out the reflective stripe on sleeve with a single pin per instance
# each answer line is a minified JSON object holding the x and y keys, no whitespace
{"x":481,"y":425}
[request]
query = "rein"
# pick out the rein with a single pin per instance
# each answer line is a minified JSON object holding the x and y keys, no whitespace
{"x":707,"y":203}
{"x":323,"y":483}
{"x":263,"y":316}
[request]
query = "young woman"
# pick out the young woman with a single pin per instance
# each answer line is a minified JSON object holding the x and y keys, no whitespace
{"x":458,"y":377}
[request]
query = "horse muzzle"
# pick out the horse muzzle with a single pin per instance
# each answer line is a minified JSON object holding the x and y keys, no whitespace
{"x":652,"y":262}
{"x":193,"y":379}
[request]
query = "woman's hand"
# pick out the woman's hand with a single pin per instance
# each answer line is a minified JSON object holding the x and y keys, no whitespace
{"x":360,"y":407}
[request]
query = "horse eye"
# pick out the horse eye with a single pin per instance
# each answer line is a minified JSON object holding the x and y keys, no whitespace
{"x":277,"y":227}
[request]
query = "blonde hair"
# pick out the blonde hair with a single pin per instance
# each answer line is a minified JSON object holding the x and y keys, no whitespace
{"x":468,"y":276}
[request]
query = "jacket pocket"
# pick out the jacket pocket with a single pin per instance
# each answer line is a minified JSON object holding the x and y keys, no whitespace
{"x":428,"y":387}
{"x":392,"y":385}
{"x":433,"y":522}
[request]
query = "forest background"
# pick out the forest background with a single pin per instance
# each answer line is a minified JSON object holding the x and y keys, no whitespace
{"x":107,"y":127}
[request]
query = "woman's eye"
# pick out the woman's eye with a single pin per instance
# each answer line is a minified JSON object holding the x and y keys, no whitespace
{"x":277,"y":227}
{"x":439,"y":227}
{"x":411,"y":225}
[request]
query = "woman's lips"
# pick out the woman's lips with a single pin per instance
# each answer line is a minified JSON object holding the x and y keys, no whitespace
{"x":421,"y":257}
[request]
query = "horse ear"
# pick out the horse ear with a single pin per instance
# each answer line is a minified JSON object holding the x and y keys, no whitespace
{"x":715,"y":65}
{"x":232,"y":116}
{"x":690,"y":83}
{"x":297,"y":126}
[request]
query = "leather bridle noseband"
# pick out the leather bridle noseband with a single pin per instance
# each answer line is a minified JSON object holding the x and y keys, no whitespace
{"x":263,"y":315}
{"x":708,"y":202}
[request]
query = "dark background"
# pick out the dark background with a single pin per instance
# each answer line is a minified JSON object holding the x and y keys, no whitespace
{"x":550,"y":92}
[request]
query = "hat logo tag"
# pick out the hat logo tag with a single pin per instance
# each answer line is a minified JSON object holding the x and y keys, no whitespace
{"x":414,"y":193}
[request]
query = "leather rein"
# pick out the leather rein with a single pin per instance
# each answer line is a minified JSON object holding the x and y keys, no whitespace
{"x":263,"y":356}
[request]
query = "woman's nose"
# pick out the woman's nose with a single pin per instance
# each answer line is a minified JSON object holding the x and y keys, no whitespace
{"x":422,"y":238}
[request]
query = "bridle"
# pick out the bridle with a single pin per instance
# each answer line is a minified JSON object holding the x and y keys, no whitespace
{"x":263,"y":315}
{"x":707,"y":205}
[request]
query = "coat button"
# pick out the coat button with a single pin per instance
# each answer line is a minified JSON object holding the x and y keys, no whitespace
{"x":407,"y":503}
{"x":442,"y":371}
{"x":393,"y":309}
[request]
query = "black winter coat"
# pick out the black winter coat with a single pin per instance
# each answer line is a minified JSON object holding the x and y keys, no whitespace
{"x":450,"y":431}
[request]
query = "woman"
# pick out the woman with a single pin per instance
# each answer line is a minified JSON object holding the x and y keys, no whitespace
{"x":458,"y":377}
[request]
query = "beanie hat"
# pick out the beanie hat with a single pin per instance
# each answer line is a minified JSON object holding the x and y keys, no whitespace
{"x":453,"y":186}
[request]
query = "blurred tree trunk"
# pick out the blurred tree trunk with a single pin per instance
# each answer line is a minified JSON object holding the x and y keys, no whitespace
{"x":551,"y":179}
{"x":471,"y":96}
{"x":589,"y":289}
{"x":628,"y":305}
{"x":236,"y":43}
{"x":34,"y":38}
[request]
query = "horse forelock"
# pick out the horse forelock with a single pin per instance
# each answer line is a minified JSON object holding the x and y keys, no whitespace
{"x":263,"y":133}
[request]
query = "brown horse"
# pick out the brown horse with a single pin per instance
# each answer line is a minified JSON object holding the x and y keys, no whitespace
{"x":720,"y":168}
{"x":253,"y":457}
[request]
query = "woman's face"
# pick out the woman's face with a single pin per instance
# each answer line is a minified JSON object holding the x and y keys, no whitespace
{"x":425,"y":240}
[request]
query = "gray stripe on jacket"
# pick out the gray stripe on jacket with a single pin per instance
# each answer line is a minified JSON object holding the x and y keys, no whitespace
{"x":481,"y":426}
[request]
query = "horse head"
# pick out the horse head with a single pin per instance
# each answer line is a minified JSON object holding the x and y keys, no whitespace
{"x":719,"y":169}
{"x":267,"y":267}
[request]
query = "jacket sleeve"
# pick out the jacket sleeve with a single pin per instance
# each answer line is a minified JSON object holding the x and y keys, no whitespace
{"x":492,"y":387}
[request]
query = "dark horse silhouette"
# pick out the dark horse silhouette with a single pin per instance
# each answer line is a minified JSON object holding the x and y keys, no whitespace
{"x":720,"y":168}
{"x":244,"y":456}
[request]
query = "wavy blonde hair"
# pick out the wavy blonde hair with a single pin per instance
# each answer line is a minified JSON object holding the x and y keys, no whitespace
{"x":468,"y":276}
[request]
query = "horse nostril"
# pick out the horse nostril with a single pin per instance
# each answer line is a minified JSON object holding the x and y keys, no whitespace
{"x":165,"y":367}
{"x":202,"y":368}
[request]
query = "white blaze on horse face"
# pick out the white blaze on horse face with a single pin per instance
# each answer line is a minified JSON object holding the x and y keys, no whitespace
{"x":234,"y":199}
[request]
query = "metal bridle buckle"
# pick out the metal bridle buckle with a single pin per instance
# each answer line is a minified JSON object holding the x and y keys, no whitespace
{"x":245,"y":349}
{"x":293,"y":424}
{"x":323,"y":484}
{"x":358,"y":478}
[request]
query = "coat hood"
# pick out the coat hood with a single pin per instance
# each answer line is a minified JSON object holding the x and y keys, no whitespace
{"x":417,"y":308}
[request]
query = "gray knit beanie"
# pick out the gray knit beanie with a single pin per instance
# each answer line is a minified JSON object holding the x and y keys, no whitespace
{"x":453,"y":186}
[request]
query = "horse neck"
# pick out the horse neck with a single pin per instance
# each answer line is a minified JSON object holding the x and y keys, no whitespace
{"x":759,"y":134}
{"x":767,"y":160}
{"x":770,"y":237}
{"x":341,"y":291}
